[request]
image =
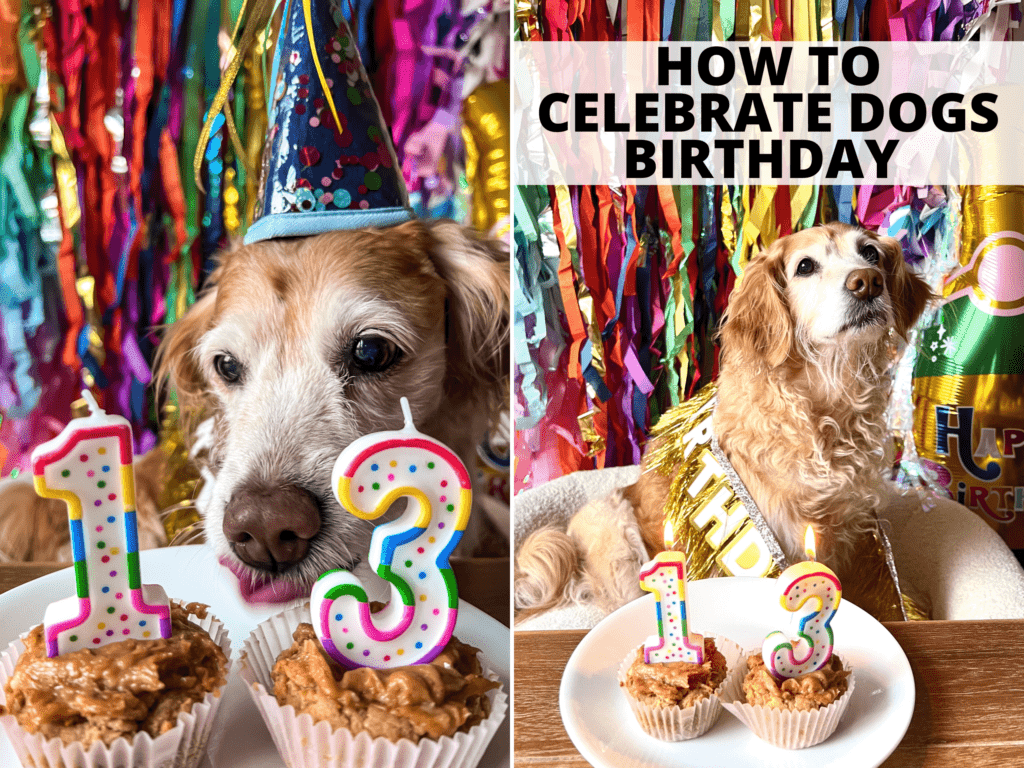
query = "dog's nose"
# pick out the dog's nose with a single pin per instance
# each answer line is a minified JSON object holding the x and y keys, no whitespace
{"x":865,"y":284}
{"x":270,"y":527}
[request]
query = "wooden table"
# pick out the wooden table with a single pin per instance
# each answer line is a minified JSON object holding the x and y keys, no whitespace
{"x":969,"y":710}
{"x":483,"y":581}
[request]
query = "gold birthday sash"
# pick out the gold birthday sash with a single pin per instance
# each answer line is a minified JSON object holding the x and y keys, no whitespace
{"x":717,"y":523}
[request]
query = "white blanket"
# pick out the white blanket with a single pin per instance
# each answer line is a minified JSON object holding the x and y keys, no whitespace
{"x":943,"y":551}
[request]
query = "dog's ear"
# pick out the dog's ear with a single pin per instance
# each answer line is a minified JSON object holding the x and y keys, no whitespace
{"x":475,"y":270}
{"x":757,"y":323}
{"x":910,"y":294}
{"x":176,"y":363}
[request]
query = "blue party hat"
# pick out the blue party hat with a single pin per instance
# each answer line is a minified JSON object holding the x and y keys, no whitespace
{"x":328,"y":163}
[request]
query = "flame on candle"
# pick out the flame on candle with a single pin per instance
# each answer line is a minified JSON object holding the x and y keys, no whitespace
{"x":669,"y":535}
{"x":809,"y":544}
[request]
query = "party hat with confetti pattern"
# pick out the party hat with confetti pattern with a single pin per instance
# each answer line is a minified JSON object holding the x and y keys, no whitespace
{"x":328,"y":162}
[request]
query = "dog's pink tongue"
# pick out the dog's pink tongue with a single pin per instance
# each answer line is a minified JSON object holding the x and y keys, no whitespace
{"x":265,"y":589}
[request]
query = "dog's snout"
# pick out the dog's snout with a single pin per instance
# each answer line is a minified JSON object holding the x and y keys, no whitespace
{"x":865,"y":283}
{"x":270,"y":527}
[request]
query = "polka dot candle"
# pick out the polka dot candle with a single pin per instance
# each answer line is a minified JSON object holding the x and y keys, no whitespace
{"x":411,"y":552}
{"x":665,"y":576}
{"x":810,"y":593}
{"x":89,"y":467}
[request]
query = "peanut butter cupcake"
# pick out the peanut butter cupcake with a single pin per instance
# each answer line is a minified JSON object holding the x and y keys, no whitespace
{"x":793,"y":713}
{"x":320,"y":714}
{"x":676,"y":701}
{"x":135,"y":702}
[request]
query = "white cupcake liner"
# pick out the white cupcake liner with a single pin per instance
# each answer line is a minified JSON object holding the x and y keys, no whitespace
{"x":181,"y":747}
{"x":681,"y":723}
{"x":784,"y":728}
{"x":303,"y":743}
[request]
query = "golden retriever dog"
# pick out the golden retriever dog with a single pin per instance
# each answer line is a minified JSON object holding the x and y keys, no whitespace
{"x":297,"y":347}
{"x":807,"y":342}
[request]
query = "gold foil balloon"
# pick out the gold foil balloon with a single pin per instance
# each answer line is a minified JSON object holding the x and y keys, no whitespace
{"x":969,"y":378}
{"x":485,"y":132}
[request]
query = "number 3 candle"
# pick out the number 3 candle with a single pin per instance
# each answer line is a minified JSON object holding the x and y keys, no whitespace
{"x":89,"y":467}
{"x":665,"y":576}
{"x":410,"y":552}
{"x":811,"y":592}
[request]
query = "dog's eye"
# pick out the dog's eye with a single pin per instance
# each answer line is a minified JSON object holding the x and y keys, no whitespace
{"x":806,"y":267}
{"x":869,"y":253}
{"x":228,"y":368}
{"x":373,"y":354}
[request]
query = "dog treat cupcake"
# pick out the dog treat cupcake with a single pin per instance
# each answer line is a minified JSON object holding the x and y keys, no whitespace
{"x":793,"y":713}
{"x":677,"y":700}
{"x":135,"y":702}
{"x":437,"y":714}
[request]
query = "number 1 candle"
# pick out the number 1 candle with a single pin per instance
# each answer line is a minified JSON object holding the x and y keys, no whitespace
{"x":811,"y":592}
{"x":665,"y":576}
{"x":89,"y":467}
{"x":411,"y":552}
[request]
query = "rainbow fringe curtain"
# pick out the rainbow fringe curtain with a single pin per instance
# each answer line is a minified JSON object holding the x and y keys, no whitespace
{"x":619,"y":290}
{"x":104,"y":233}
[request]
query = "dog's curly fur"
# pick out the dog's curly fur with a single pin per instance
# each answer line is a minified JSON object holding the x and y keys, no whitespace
{"x":802,"y":395}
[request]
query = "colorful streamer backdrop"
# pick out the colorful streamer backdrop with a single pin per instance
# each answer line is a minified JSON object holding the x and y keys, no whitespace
{"x":105,"y":235}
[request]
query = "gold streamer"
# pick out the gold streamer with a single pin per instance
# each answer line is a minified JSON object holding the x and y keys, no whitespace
{"x":307,"y":12}
{"x":262,"y":10}
{"x":181,"y":480}
{"x":66,"y":178}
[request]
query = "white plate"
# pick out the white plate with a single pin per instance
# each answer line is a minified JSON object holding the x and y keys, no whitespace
{"x":601,"y":725}
{"x":240,"y":739}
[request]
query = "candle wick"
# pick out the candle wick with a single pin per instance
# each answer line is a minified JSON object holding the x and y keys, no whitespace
{"x":407,"y":413}
{"x":94,"y":408}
